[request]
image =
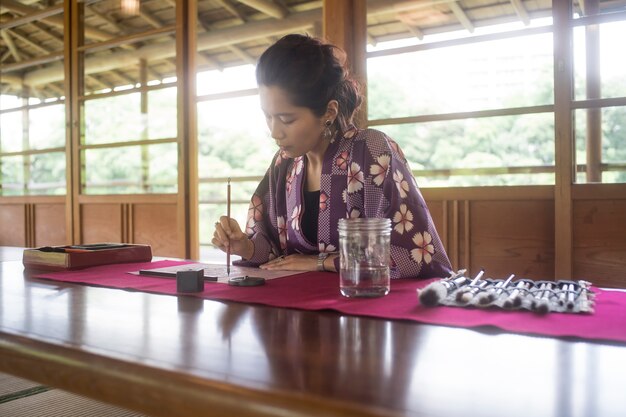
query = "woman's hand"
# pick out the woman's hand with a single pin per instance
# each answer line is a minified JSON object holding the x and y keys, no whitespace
{"x":227,"y":232}
{"x":295,"y":262}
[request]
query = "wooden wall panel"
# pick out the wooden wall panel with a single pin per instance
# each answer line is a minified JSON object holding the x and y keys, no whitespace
{"x":50,"y":224}
{"x":101,"y":223}
{"x":437,"y":212}
{"x":155,"y":225}
{"x":13,"y":225}
{"x":600,"y":242}
{"x":512,"y":237}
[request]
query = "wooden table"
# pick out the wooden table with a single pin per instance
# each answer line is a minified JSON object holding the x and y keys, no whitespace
{"x":182,"y":356}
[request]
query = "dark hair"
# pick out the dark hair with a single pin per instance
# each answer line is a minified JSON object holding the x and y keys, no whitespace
{"x":312,"y":73}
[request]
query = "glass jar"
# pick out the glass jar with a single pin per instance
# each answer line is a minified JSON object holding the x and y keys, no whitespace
{"x":364,"y":255}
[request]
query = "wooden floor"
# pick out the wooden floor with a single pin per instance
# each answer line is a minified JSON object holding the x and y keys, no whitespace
{"x":22,"y":398}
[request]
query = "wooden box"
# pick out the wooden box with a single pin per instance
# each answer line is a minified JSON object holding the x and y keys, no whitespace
{"x":64,"y":258}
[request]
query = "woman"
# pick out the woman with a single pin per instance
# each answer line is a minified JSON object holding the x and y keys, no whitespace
{"x":326,"y":169}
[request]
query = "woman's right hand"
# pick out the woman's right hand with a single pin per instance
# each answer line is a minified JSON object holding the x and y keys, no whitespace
{"x":227,"y":232}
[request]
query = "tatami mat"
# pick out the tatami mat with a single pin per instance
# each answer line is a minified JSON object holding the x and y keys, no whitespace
{"x":57,"y":403}
{"x":10,"y":385}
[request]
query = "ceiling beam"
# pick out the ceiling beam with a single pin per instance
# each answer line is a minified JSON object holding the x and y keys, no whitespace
{"x":461,"y":16}
{"x":218,"y":38}
{"x":232,"y":10}
{"x":215,"y":39}
{"x":26,"y":40}
{"x":267,"y":7}
{"x":51,"y":56}
{"x":35,"y":14}
{"x":410,"y":25}
{"x":11,"y":45}
{"x":148,"y":17}
{"x":56,"y":89}
{"x":48,"y":32}
{"x":5,"y":56}
{"x":30,"y":62}
{"x":371,"y":40}
{"x":54,"y":20}
{"x":119,"y":29}
{"x":126,"y":78}
{"x":521,"y":11}
{"x":206,"y":62}
{"x":16,"y":80}
{"x":242,"y":54}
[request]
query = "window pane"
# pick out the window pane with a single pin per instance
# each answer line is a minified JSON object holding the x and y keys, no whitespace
{"x":113,"y":119}
{"x":47,"y":127}
{"x":163,"y":168}
{"x":233,"y":138}
{"x":8,"y":101}
{"x":509,"y":143}
{"x":497,"y":74}
{"x":612,"y":70}
{"x":131,"y":169}
{"x":47,"y":175}
{"x":39,"y":174}
{"x":241,"y":77}
{"x":12,"y":175}
{"x":611,"y":131}
{"x":162,"y":113}
{"x":11,"y":132}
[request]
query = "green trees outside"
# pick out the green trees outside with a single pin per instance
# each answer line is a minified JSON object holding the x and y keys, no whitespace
{"x":234,"y":141}
{"x":490,"y":142}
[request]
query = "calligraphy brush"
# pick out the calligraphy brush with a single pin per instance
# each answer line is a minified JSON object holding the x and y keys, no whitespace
{"x":515,"y":299}
{"x":571,"y":296}
{"x":491,"y":295}
{"x":436,"y":291}
{"x":542,"y":304}
{"x":228,"y":215}
{"x":465,"y":295}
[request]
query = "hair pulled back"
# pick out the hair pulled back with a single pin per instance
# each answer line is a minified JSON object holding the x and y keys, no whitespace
{"x":312,"y":73}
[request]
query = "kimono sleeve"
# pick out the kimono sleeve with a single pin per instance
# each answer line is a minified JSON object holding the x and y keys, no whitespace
{"x":416,"y":249}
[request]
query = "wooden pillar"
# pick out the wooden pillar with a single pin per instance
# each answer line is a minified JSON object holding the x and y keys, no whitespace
{"x":345,"y":25}
{"x":186,"y":19}
{"x":74,"y":75}
{"x":594,"y":116}
{"x":564,"y":139}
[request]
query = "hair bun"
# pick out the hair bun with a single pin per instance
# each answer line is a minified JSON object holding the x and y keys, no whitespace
{"x":313,"y":73}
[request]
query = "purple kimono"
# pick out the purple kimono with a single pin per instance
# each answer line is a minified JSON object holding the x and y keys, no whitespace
{"x":364,"y":174}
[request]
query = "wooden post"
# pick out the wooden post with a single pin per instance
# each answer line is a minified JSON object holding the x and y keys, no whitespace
{"x":187,"y":205}
{"x":594,"y":116}
{"x":564,"y":139}
{"x":73,"y":66}
{"x":345,"y":25}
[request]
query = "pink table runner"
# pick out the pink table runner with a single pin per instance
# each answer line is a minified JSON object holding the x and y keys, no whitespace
{"x":320,"y":291}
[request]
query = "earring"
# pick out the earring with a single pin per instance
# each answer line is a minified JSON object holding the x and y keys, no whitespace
{"x":327,"y":132}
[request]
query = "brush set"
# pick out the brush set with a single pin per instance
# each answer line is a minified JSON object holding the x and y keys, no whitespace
{"x":458,"y":290}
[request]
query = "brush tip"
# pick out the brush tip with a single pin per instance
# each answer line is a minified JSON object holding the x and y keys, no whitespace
{"x":541,"y":307}
{"x":432,"y":294}
{"x":484,"y":299}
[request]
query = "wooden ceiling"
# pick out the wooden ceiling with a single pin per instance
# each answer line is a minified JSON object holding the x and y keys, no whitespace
{"x":230,"y":32}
